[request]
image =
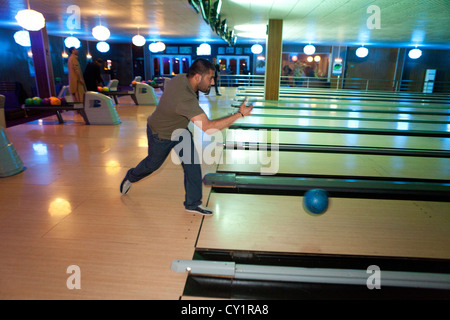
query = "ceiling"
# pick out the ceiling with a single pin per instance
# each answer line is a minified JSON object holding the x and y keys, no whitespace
{"x":403,"y":23}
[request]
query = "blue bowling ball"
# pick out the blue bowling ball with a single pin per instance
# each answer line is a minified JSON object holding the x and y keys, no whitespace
{"x":315,"y":201}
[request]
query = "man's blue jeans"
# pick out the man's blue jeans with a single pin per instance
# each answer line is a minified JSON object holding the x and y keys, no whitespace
{"x":158,"y":150}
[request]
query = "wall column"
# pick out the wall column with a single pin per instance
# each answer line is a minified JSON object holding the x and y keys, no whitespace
{"x":273,"y":59}
{"x":45,"y":82}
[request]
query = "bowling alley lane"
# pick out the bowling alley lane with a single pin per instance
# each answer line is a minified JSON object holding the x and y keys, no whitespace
{"x":367,"y":227}
{"x":352,"y":115}
{"x":346,"y":106}
{"x":350,"y":125}
{"x":294,"y":92}
{"x":266,"y":221}
{"x":240,"y":136}
{"x":333,"y":164}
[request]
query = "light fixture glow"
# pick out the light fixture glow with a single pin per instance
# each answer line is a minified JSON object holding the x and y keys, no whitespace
{"x":157,"y":47}
{"x":251,"y":27}
{"x":153,"y":47}
{"x":30,"y":20}
{"x":317,"y":58}
{"x":309,"y":49}
{"x":72,"y":42}
{"x":257,"y":49}
{"x":138,"y":40}
{"x":102,"y":46}
{"x":204,"y":50}
{"x":59,"y":207}
{"x":161,"y":46}
{"x":101,"y":33}
{"x":254,"y":31}
{"x":22,"y":38}
{"x":415,"y":53}
{"x":252,"y":35}
{"x":362,"y":52}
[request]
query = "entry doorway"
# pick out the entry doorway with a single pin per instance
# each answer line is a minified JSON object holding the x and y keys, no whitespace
{"x":234,"y":65}
{"x":169,"y":65}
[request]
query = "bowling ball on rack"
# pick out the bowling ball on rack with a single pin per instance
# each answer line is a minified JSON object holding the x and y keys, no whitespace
{"x":54,"y":101}
{"x":99,"y":89}
{"x":37,"y":101}
{"x":63,"y":101}
{"x":105,"y":89}
{"x":28,"y":101}
{"x":315,"y":201}
{"x":46,"y":102}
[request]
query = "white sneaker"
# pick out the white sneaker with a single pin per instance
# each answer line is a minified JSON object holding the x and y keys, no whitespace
{"x":125,"y":186}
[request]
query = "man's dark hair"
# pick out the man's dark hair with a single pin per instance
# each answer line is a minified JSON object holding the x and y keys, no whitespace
{"x":71,"y":49}
{"x":100,"y":61}
{"x":200,"y":66}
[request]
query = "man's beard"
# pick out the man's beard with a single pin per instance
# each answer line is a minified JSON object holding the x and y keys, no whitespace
{"x":205,"y":91}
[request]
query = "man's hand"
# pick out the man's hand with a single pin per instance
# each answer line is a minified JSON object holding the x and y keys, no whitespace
{"x":244,"y":109}
{"x":212,"y":126}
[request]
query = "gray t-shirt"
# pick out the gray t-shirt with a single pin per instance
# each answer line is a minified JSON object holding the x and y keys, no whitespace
{"x":178,"y":104}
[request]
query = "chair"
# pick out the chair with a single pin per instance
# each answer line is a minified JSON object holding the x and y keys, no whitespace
{"x":64,"y":93}
{"x":113,"y":84}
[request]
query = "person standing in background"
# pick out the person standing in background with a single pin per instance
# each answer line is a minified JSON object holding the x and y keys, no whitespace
{"x":216,"y":77}
{"x":92,"y":75}
{"x":77,"y":86}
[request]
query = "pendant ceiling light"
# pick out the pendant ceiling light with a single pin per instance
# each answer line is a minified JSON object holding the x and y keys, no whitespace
{"x":309,"y":49}
{"x":138,"y":40}
{"x":22,"y":38}
{"x":30,"y":19}
{"x":204,"y":50}
{"x":161,"y":46}
{"x":72,"y":42}
{"x":157,"y":47}
{"x":257,"y":49}
{"x":362,"y":52}
{"x":88,"y":54}
{"x":100,"y":32}
{"x":102,"y":46}
{"x":415,"y":53}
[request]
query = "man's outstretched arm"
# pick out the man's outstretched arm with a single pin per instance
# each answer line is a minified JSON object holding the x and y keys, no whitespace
{"x":212,"y":126}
